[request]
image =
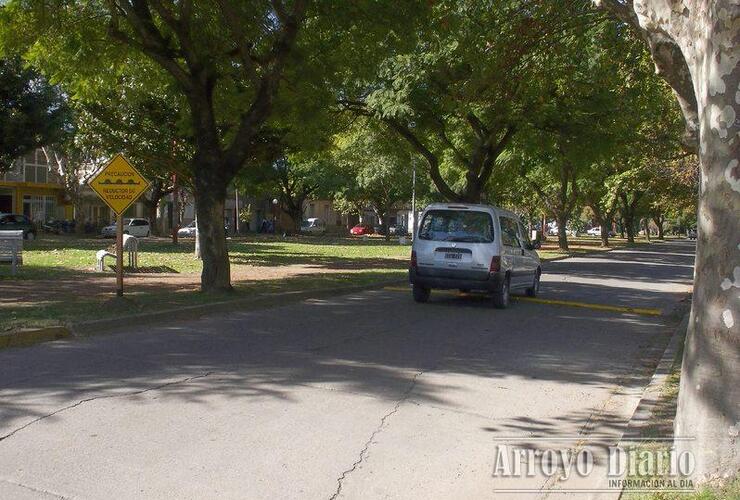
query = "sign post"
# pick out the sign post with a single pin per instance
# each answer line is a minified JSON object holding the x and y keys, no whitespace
{"x":119,"y":185}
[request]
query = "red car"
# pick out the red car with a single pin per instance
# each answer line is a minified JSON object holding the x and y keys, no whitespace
{"x":361,"y":229}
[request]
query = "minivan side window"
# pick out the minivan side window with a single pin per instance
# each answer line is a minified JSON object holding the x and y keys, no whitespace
{"x":509,"y":232}
{"x":524,"y":236}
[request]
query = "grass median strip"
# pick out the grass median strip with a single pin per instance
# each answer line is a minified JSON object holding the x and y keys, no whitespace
{"x":567,"y":303}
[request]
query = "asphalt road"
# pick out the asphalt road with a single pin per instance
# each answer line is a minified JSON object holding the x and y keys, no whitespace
{"x":366,"y":395}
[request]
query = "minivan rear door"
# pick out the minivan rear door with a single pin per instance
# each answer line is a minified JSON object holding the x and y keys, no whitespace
{"x":456,"y":238}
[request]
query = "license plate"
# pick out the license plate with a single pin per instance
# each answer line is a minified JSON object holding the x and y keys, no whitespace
{"x":453,"y":255}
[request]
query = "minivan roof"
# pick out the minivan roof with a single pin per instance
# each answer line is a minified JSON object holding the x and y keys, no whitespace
{"x":469,"y":206}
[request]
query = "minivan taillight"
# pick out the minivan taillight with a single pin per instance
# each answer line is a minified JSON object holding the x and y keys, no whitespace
{"x":413,"y":258}
{"x":495,"y":264}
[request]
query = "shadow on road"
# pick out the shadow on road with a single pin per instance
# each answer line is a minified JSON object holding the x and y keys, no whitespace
{"x":374,"y":344}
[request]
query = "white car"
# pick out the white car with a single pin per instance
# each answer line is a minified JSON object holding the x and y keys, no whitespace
{"x":134,"y":227}
{"x":313,"y":225}
{"x":473,"y":247}
{"x":187,"y":231}
{"x":594,"y":231}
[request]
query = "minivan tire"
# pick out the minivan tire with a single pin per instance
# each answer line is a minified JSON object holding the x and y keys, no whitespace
{"x":502,"y":297}
{"x":532,"y":291}
{"x":421,"y":294}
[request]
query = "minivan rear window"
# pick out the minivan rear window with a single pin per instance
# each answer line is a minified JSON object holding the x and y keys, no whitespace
{"x":457,"y":225}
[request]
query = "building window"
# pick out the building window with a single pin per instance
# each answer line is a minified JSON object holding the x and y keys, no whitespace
{"x":35,"y":168}
{"x":40,"y":208}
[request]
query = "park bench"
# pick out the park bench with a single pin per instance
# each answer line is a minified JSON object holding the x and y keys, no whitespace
{"x":11,"y":249}
{"x":130,"y":245}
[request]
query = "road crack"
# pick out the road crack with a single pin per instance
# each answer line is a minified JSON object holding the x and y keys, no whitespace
{"x":36,"y":490}
{"x":104,"y":396}
{"x":378,"y":430}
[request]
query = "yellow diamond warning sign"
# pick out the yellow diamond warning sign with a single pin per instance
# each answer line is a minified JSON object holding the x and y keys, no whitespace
{"x":119,"y":184}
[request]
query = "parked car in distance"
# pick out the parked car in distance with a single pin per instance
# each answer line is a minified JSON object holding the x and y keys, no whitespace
{"x":397,"y":229}
{"x":473,"y":247}
{"x":189,"y":230}
{"x":59,"y":226}
{"x":691,"y":233}
{"x":134,"y":227}
{"x":596,"y":231}
{"x":313,"y":225}
{"x":362,"y":229}
{"x":18,"y":222}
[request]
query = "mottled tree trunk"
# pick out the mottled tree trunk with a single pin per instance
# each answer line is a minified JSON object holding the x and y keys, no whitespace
{"x":709,"y":397}
{"x":695,"y":47}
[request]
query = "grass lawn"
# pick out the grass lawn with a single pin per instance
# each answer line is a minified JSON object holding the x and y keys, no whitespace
{"x":57,"y":282}
{"x":61,"y":256}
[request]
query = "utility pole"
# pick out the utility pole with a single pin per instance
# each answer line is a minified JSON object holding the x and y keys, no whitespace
{"x":236,"y":202}
{"x":413,"y":198}
{"x":175,"y":208}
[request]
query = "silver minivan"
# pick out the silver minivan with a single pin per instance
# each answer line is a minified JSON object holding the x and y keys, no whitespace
{"x":473,"y":247}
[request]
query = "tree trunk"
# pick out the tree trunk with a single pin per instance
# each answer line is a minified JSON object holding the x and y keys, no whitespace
{"x":210,"y":195}
{"x":709,"y":397}
{"x":296,"y":215}
{"x":544,"y":228}
{"x":647,"y":228}
{"x":695,"y":49}
{"x":151,"y":210}
{"x":629,"y":227}
{"x":605,"y":228}
{"x":562,"y":235}
{"x":659,"y":220}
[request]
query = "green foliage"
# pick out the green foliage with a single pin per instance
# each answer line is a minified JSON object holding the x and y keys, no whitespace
{"x":33,"y":113}
{"x":375,"y":168}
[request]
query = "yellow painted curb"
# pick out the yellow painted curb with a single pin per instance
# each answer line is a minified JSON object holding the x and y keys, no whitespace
{"x":568,"y":303}
{"x":26,"y":337}
{"x":588,"y":305}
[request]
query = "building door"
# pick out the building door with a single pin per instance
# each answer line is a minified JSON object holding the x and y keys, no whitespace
{"x":6,"y":202}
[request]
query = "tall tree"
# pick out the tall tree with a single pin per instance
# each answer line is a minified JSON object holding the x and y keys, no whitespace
{"x":225,"y":61}
{"x":695,"y":48}
{"x":379,"y":169}
{"x":459,"y":92}
{"x":33,"y":113}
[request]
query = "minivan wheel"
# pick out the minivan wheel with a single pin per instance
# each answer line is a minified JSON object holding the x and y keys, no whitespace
{"x":421,"y":294}
{"x":532,"y":291}
{"x":501,"y":298}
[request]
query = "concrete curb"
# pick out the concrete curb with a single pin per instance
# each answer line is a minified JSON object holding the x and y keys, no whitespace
{"x":651,"y":394}
{"x":649,"y":399}
{"x":30,"y":336}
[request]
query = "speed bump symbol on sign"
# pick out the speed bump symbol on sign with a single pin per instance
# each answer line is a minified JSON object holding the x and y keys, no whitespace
{"x":119,"y":184}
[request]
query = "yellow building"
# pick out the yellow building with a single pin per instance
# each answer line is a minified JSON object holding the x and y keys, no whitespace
{"x":33,"y":188}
